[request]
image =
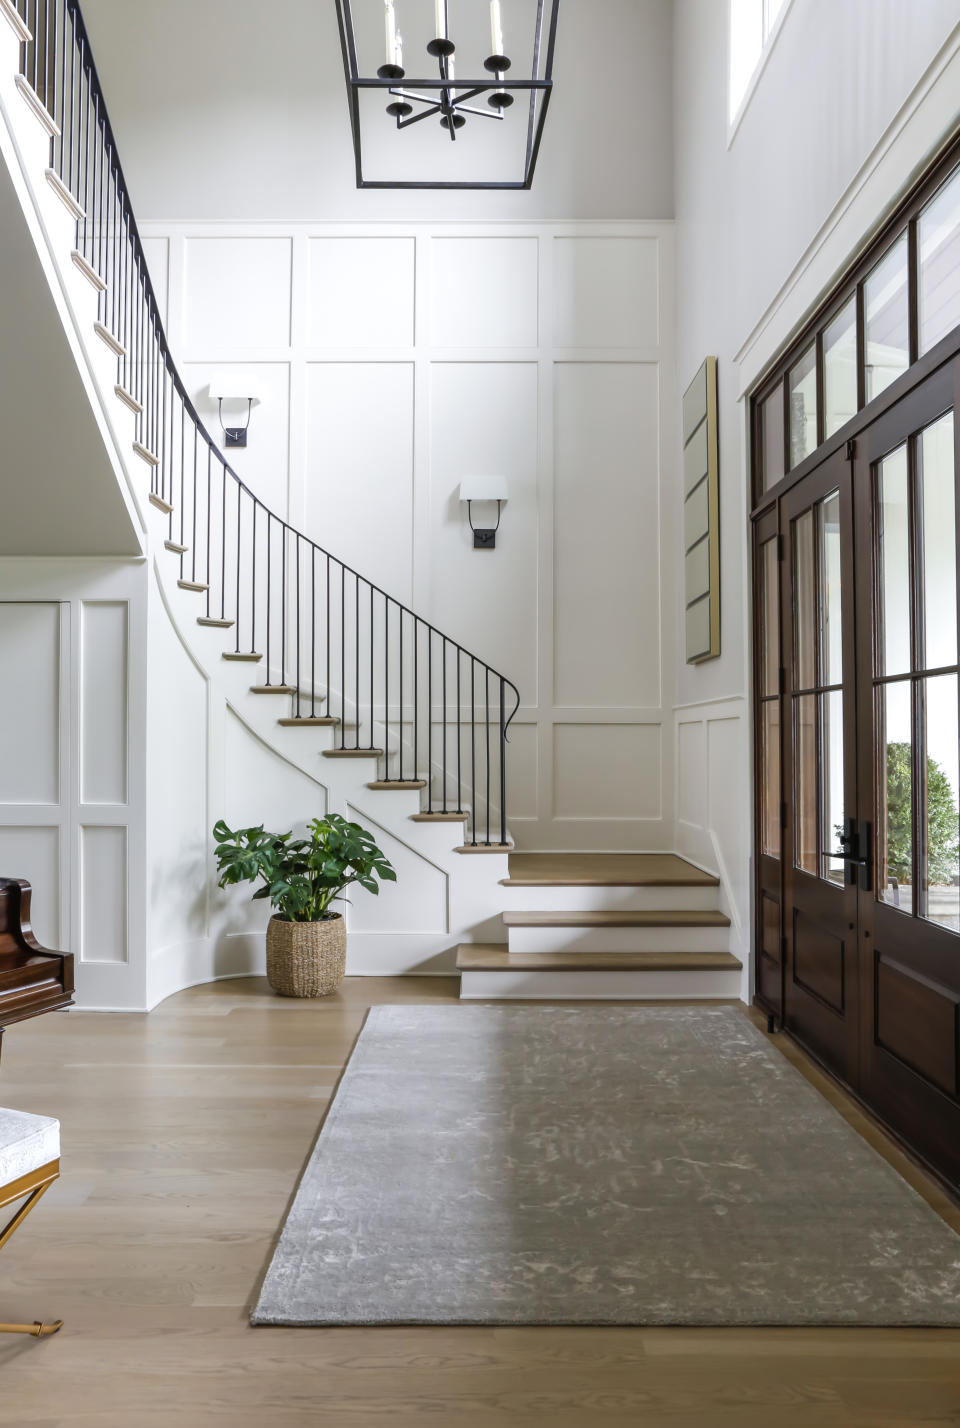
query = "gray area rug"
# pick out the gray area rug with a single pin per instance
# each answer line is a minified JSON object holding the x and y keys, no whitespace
{"x":597,"y":1165}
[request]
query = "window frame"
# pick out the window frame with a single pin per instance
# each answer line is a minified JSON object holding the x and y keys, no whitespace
{"x":903,"y":218}
{"x":770,"y":33}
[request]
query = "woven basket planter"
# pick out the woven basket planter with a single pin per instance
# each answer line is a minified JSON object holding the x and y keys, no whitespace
{"x":306,"y":959}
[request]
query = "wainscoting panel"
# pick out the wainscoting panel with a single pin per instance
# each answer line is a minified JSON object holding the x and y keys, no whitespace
{"x":104,"y":914}
{"x":397,"y":359}
{"x":606,"y":292}
{"x":361,"y":292}
{"x":714,"y":799}
{"x":607,"y":536}
{"x":103,"y":701}
{"x":359,"y":499}
{"x":30,"y":720}
{"x":73,"y":813}
{"x":237,"y":294}
{"x":484,"y":292}
{"x":32,"y":851}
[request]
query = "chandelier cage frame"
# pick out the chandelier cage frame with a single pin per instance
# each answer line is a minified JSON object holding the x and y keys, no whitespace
{"x":498,"y":85}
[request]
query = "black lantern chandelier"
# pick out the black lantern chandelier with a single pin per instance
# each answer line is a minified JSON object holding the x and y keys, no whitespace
{"x":442,"y":97}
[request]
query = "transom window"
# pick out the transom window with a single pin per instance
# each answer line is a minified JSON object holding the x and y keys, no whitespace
{"x":753,"y":25}
{"x":893,"y":311}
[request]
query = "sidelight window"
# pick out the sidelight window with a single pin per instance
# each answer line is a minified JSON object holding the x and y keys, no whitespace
{"x":916,"y":689}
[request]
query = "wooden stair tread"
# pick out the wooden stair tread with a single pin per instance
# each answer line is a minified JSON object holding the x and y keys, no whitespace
{"x":500,"y":848}
{"x":105,"y":335}
{"x":65,"y":196}
{"x":605,"y":870}
{"x":353,"y":753}
{"x":494,"y":957}
{"x":241,"y":656}
{"x":272,"y":689}
{"x":194,"y":585}
{"x":389,"y":784}
{"x":674,"y":917}
{"x":214,"y":622}
{"x":176,"y":549}
{"x":309,"y":721}
{"x":440,"y":817}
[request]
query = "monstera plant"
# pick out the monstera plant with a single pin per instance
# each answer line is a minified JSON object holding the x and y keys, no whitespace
{"x":301,"y":877}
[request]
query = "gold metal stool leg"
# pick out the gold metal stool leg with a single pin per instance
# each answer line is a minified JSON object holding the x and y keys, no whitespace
{"x":33,"y":1187}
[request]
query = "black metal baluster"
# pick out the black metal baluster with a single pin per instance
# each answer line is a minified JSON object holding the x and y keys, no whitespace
{"x":444,"y":707}
{"x":329,"y":702}
{"x":473,"y":751}
{"x":400,"y":701}
{"x":313,"y":636}
{"x":297,"y":680}
{"x":356,"y":656}
{"x":386,"y":687}
{"x":486,"y":689}
{"x":343,"y":657}
{"x":283,"y":604}
{"x":459,"y":738}
{"x":503,"y":761}
{"x":237,"y":606}
{"x":223,"y":538}
{"x":253,"y":571}
{"x":429,"y":718}
{"x":269,"y":579}
{"x":386,"y":752}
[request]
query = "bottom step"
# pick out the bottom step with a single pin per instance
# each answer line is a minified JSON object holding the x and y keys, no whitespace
{"x":489,"y":972}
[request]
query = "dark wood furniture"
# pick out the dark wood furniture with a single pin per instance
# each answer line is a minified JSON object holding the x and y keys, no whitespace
{"x":32,"y":979}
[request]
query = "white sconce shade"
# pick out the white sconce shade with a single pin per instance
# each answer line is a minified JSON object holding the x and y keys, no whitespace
{"x":232,"y":387}
{"x":483,"y":488}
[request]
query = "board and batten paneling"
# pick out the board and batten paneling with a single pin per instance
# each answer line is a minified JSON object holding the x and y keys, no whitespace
{"x":395,"y":360}
{"x":72,"y":800}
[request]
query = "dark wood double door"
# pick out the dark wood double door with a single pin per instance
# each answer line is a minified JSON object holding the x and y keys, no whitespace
{"x":859,"y":769}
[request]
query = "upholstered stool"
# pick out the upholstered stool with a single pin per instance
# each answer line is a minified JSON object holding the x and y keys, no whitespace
{"x":29,"y":1164}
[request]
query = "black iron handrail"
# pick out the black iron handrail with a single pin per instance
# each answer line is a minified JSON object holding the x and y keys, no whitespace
{"x":322,"y":640}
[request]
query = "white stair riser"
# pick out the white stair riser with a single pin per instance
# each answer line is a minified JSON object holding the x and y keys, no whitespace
{"x":609,"y":899}
{"x":618,"y":939}
{"x":599,"y":986}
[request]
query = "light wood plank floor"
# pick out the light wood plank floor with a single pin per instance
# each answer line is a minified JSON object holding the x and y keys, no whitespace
{"x":184,"y":1132}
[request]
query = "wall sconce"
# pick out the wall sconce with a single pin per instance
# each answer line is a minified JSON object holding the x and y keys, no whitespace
{"x":229,"y":389}
{"x":484,"y":488}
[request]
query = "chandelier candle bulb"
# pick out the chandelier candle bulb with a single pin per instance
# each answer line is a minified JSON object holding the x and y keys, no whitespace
{"x":441,"y":19}
{"x":496,"y":28}
{"x":390,"y":26}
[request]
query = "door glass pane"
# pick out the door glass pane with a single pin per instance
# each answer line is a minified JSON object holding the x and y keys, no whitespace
{"x":941,"y":826}
{"x":804,"y":602}
{"x":938,"y":243}
{"x":893,"y":564}
{"x":805,"y":743}
{"x":770,"y":830}
{"x":895,"y":796}
{"x":832,"y":801}
{"x":840,"y":369}
{"x":935,"y":465}
{"x":831,"y":650}
{"x":771,"y":436}
{"x":769,"y":615}
{"x":887,"y":320}
{"x":802,"y":397}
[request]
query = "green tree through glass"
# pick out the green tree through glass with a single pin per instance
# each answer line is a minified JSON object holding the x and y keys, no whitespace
{"x":943,"y":838}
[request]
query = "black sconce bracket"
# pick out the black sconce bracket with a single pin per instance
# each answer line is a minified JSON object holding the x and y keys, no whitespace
{"x":484,"y":538}
{"x":234,"y":435}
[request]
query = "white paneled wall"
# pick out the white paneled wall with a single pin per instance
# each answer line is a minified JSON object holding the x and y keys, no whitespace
{"x":395,"y":360}
{"x":714,"y":799}
{"x":72,"y":789}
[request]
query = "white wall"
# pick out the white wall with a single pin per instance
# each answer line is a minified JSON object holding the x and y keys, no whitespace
{"x":395,"y":360}
{"x":853,"y":97}
{"x":230,"y":109}
{"x":72,"y":788}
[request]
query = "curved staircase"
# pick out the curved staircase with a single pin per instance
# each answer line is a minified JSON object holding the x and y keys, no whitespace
{"x":316,"y":659}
